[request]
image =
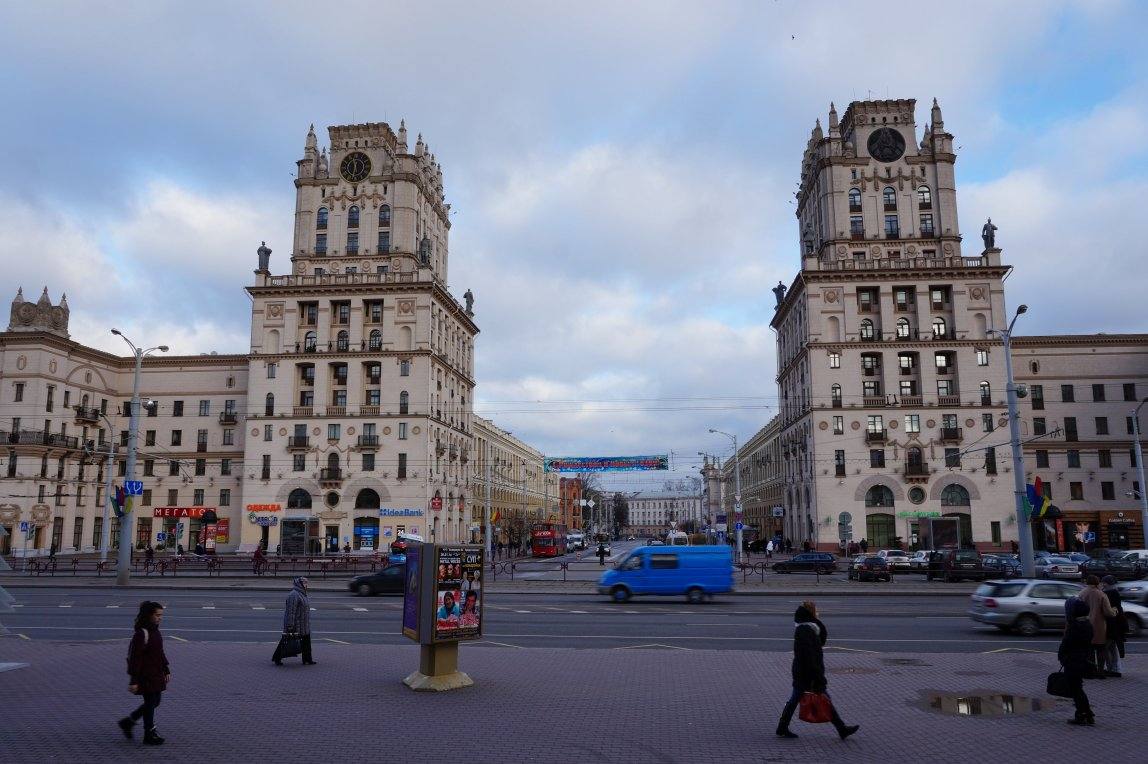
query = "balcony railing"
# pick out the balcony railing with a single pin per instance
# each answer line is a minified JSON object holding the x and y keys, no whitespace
{"x":839,"y":470}
{"x":949,"y":400}
{"x":928,"y":233}
{"x":875,"y":436}
{"x":368,"y":441}
{"x":228,"y":417}
{"x":298,"y":442}
{"x":893,"y":234}
{"x":370,"y":409}
{"x":865,"y":307}
{"x":39,"y":438}
{"x":336,"y":411}
{"x":986,"y":400}
{"x":901,"y":263}
{"x":874,"y":400}
{"x":917,"y":470}
{"x":857,"y":235}
{"x":320,"y":251}
{"x":945,"y":336}
{"x":952,"y":433}
{"x":380,"y":250}
{"x":352,"y":250}
{"x":89,"y":415}
{"x":331,"y":474}
{"x":912,"y":400}
{"x":201,"y":446}
{"x":303,"y":411}
{"x":836,"y":403}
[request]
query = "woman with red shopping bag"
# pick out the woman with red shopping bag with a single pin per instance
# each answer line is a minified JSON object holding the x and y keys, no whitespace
{"x":809,"y":683}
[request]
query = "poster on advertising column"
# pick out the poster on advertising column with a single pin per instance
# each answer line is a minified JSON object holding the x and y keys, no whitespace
{"x":458,"y":593}
{"x":412,"y":592}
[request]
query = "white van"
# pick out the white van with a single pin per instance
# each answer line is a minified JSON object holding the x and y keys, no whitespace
{"x":678,"y":538}
{"x":575,"y":540}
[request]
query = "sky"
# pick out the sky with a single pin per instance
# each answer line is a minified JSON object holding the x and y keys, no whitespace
{"x":620,"y":174}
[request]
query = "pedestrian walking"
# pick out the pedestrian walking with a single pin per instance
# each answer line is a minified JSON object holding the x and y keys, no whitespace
{"x":602,"y":554}
{"x":258,"y":560}
{"x":149,"y":554}
{"x":296,"y":623}
{"x":1075,"y":657}
{"x":809,"y":637}
{"x":148,"y":670}
{"x":769,"y":550}
{"x":1099,"y":611}
{"x":864,"y":546}
{"x":1116,"y":628}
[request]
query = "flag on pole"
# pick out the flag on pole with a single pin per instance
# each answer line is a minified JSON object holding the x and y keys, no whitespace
{"x":494,"y":515}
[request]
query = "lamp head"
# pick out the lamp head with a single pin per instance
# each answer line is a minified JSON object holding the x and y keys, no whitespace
{"x":712,"y":430}
{"x":162,"y":348}
{"x":116,"y":332}
{"x":1022,"y":309}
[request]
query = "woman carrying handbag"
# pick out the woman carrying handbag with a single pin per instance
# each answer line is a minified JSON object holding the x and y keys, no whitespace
{"x":809,"y":637}
{"x":296,"y":625}
{"x":1075,"y":656}
{"x":149,"y":671}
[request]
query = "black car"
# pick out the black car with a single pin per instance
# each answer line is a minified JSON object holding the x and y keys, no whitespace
{"x":1003,"y":565}
{"x":865,"y":567}
{"x":1118,"y":567}
{"x":807,"y":562}
{"x":389,"y":580}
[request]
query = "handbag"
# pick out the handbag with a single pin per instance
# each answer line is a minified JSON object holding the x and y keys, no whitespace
{"x":292,"y":645}
{"x":1060,"y":685}
{"x":815,"y":708}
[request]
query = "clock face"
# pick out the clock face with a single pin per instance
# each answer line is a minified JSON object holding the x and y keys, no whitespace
{"x":356,"y":167}
{"x":886,"y":144}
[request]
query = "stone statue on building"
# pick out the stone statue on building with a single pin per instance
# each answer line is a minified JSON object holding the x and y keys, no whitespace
{"x":264,"y":253}
{"x":779,"y":293}
{"x":469,"y":297}
{"x":989,"y":234}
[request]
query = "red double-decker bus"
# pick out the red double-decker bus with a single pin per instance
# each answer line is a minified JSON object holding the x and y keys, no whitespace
{"x":548,"y":540}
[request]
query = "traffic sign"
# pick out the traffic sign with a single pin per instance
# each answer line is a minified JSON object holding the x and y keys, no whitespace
{"x":1089,"y":537}
{"x":133,"y":487}
{"x":779,"y":511}
{"x":161,"y":536}
{"x":25,"y":526}
{"x":737,"y":508}
{"x":844,"y":518}
{"x":436,"y":503}
{"x":739,"y":526}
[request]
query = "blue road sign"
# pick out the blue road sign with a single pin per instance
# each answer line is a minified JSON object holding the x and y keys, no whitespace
{"x":1089,"y":537}
{"x":739,"y":526}
{"x":133,"y":487}
{"x":25,"y":526}
{"x":161,"y":536}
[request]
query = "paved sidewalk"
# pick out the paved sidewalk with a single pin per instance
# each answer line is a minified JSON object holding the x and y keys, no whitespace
{"x":228,"y":703}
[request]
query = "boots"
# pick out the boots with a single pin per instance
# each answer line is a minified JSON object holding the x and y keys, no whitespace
{"x":151,"y":737}
{"x":1083,"y":719}
{"x":847,"y":729}
{"x":785,"y":733}
{"x":127,"y":724}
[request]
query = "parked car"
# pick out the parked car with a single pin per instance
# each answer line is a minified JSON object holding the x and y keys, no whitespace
{"x":655,"y":542}
{"x":866,"y":567}
{"x":1029,"y":605}
{"x":956,"y":564}
{"x":389,"y":580}
{"x":1057,"y":567}
{"x":1119,"y":567}
{"x":1138,"y":557}
{"x":919,"y":561}
{"x":695,"y":571}
{"x":1134,"y":591}
{"x":807,"y":562}
{"x":1006,"y":565}
{"x":896,"y":558}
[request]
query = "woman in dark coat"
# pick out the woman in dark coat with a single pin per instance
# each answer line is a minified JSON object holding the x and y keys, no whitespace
{"x":809,"y":637}
{"x":1116,"y":629}
{"x":296,"y":620}
{"x":1075,"y":655}
{"x":148,"y":669}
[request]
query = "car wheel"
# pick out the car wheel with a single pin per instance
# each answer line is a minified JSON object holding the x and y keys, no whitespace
{"x":1027,"y":626}
{"x":695,"y":595}
{"x":619,"y":594}
{"x":365,"y":590}
{"x":1135,"y":626}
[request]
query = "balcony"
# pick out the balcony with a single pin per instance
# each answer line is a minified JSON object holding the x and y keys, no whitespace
{"x":298,"y":443}
{"x":303,"y":411}
{"x":949,"y":400}
{"x":453,"y":452}
{"x":380,"y":250}
{"x":928,"y":233}
{"x":37,"y":438}
{"x":201,"y":447}
{"x":336,"y":411}
{"x":893,"y":234}
{"x":986,"y":400}
{"x":320,"y":251}
{"x":946,"y":336}
{"x":875,"y":436}
{"x":917,"y":471}
{"x":839,"y":470}
{"x":871,"y":401}
{"x":836,"y":403}
{"x":370,"y":409}
{"x":307,"y":380}
{"x":331,"y":476}
{"x":912,"y":400}
{"x":228,"y":417}
{"x":857,"y":235}
{"x":87,"y":415}
{"x":952,"y":433}
{"x":903,"y":307}
{"x":870,"y":337}
{"x":990,"y":468}
{"x":368,"y":441}
{"x":352,"y":250}
{"x":865,"y":307}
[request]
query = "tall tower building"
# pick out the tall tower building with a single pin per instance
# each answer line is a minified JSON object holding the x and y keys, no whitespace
{"x":891,"y":387}
{"x":362,"y":362}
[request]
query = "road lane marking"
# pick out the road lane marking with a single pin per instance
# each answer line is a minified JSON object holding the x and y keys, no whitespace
{"x":1013,"y":649}
{"x":359,"y":609}
{"x":24,"y":636}
{"x":579,"y":612}
{"x":177,"y":639}
{"x":652,"y":644}
{"x":63,"y":605}
{"x":500,"y":644}
{"x":850,"y":649}
{"x":208,"y":607}
{"x":522,"y":611}
{"x":258,"y":607}
{"x":336,"y":641}
{"x":112,"y":606}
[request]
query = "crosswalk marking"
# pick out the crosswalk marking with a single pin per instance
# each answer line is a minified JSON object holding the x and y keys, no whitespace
{"x":111,"y":605}
{"x":258,"y":607}
{"x":359,"y":609}
{"x":208,"y":607}
{"x":522,"y":611}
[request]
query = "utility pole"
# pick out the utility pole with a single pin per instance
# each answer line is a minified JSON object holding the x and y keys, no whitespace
{"x":106,"y":528}
{"x":487,"y":529}
{"x":736,"y":491}
{"x":1140,"y":469}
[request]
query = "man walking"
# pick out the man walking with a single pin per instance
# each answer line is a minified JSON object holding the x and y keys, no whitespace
{"x":602,"y":554}
{"x":296,"y":623}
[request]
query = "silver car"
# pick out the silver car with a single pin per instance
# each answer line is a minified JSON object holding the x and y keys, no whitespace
{"x":1057,"y":567}
{"x":896,"y":558}
{"x":1133,"y":591}
{"x":1028,"y":605}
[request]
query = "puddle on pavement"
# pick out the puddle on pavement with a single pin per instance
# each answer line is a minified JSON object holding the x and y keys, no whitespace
{"x":979,"y":704}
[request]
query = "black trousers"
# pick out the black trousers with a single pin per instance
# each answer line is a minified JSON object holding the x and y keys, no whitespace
{"x":147,"y":709}
{"x":1079,"y":699}
{"x":279,"y":649}
{"x":791,"y":708}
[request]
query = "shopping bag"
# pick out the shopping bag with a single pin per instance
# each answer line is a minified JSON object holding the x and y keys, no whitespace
{"x":292,"y":645}
{"x":1059,"y":684}
{"x":815,"y":708}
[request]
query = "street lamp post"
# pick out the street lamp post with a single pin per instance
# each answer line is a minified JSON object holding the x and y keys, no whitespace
{"x":1140,"y":469}
{"x":124,"y":560}
{"x":1024,"y":530}
{"x":736,"y":490}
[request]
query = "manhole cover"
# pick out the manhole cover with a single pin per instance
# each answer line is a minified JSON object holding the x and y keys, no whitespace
{"x":984,"y":704}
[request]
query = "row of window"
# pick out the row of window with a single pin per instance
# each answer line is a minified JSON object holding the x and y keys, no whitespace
{"x":341,"y":312}
{"x":889,"y":198}
{"x":943,"y":360}
{"x":296,"y":499}
{"x":321,"y":219}
{"x":1071,"y":431}
{"x":373,"y":343}
{"x":1068,"y":393}
{"x":1072,"y":458}
{"x":382,"y":247}
{"x":904,"y":329}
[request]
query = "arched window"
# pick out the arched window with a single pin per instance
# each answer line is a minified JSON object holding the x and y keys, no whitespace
{"x":939,"y":328}
{"x":914,"y":457}
{"x":924,"y":198}
{"x":367,"y":499}
{"x":902,"y":328}
{"x":375,"y":340}
{"x":385,"y":215}
{"x":342,"y":340}
{"x":866,"y":329}
{"x":269,"y":405}
{"x":854,"y":200}
{"x":879,"y":496}
{"x":332,"y":461}
{"x":84,"y":400}
{"x":986,"y":394}
{"x":299,"y":499}
{"x":321,"y":219}
{"x":309,"y":342}
{"x":889,"y":197}
{"x":404,"y":402}
{"x":835,"y":394}
{"x":353,"y":217}
{"x":955,"y":495}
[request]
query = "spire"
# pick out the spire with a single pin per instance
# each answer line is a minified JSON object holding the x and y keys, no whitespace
{"x":938,"y":123}
{"x":817,"y":133}
{"x":19,"y":295}
{"x":312,"y":142}
{"x":403,"y":136}
{"x":45,"y":300}
{"x":833,"y":123}
{"x":420,"y":147}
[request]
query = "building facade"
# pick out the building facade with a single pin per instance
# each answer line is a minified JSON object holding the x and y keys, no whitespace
{"x":349,"y":421}
{"x":521,"y":492}
{"x":654,"y":513}
{"x":762,"y":486}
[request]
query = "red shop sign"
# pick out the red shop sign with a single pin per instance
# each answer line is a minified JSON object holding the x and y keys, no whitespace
{"x":191,"y":512}
{"x":436,"y":503}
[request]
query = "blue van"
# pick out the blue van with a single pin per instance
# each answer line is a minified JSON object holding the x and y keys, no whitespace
{"x":695,"y":571}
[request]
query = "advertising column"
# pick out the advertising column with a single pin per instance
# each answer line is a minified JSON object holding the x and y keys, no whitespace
{"x":442,"y":605}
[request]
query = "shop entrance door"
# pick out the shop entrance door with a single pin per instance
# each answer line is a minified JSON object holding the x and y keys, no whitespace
{"x":314,"y":541}
{"x":332,"y":544}
{"x":292,"y":537}
{"x":1118,"y":536}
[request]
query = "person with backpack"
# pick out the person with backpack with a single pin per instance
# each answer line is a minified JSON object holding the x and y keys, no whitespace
{"x":809,"y":637}
{"x":149,"y":671}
